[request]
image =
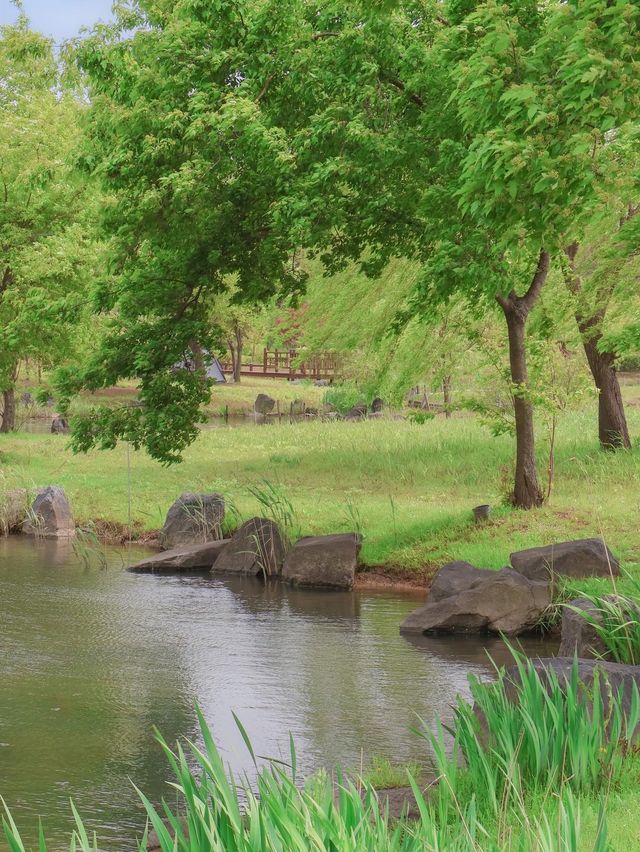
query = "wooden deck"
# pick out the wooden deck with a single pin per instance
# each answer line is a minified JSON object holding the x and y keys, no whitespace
{"x":288,"y":364}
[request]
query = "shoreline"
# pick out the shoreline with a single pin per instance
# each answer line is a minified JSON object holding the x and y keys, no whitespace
{"x":369,"y":578}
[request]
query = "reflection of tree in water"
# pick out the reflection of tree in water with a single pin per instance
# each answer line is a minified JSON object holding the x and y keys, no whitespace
{"x":82,"y":688}
{"x":337,"y":672}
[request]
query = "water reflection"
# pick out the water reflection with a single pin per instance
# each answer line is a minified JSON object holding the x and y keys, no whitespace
{"x":91,"y":659}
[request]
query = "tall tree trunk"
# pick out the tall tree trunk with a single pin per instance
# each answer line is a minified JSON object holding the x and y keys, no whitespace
{"x":237,"y":354}
{"x":446,"y":393}
{"x":9,"y":410}
{"x":613,"y":431}
{"x":526,"y":490}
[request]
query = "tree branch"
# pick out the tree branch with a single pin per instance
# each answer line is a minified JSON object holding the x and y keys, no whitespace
{"x":416,"y":99}
{"x":540,"y":276}
{"x":264,"y":88}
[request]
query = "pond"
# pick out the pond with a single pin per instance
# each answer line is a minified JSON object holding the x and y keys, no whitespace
{"x":92,"y":657}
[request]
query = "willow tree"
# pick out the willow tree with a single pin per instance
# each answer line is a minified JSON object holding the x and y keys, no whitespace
{"x":601,"y":273}
{"x":45,"y":244}
{"x":471,"y":137}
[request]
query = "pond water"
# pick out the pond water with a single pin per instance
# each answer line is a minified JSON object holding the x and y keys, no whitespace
{"x":92,"y":657}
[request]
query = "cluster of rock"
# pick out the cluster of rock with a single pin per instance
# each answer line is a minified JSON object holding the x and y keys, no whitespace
{"x":192,"y":541}
{"x":512,"y":601}
{"x":49,"y":515}
{"x":265,"y":407}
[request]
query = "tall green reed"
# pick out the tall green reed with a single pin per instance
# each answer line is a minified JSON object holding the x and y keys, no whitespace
{"x":616,"y":621}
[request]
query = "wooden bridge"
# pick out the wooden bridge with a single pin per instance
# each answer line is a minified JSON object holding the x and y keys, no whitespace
{"x":289,"y":364}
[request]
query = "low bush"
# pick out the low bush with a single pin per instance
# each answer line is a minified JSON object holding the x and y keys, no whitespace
{"x":343,"y":397}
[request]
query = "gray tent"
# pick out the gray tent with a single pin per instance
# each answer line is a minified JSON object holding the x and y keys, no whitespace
{"x":214,"y":371}
{"x":214,"y":367}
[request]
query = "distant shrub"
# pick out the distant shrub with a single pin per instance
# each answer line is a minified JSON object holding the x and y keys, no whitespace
{"x":421,"y":417}
{"x":344,"y":397}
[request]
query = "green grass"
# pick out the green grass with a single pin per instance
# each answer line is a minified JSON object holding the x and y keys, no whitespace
{"x":411,"y":486}
{"x":382,"y":774}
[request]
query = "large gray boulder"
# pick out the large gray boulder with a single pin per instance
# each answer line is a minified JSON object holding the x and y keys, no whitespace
{"x":588,"y":557}
{"x":257,"y":548}
{"x":578,"y":637}
{"x":193,"y":519}
{"x":50,"y":515}
{"x":264,"y":404}
{"x":13,"y":510}
{"x":466,"y":599}
{"x":327,"y":561}
{"x":193,"y":557}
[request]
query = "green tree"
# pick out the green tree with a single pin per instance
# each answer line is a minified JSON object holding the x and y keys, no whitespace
{"x":474,"y":143}
{"x":599,"y":272}
{"x":179,"y":140}
{"x":45,"y":246}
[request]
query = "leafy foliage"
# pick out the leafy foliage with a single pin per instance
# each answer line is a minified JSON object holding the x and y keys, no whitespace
{"x":47,"y":248}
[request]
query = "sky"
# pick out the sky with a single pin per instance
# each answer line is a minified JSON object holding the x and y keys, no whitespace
{"x":61,"y":19}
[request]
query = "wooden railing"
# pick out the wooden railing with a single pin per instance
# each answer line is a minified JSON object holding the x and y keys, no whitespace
{"x":289,"y":364}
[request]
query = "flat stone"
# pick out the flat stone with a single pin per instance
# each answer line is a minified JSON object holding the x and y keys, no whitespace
{"x":193,"y":519}
{"x":466,"y":599}
{"x":588,"y":557}
{"x":50,"y":515}
{"x":327,"y":561}
{"x":257,"y":548}
{"x":194,"y":557}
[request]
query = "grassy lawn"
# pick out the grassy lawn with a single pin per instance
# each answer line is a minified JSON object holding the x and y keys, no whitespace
{"x":409,"y":488}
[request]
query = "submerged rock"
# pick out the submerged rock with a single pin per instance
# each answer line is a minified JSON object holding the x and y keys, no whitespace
{"x":194,"y":557}
{"x":588,"y":557}
{"x":50,"y":515}
{"x":327,"y":561}
{"x":466,"y":599}
{"x":193,"y":519}
{"x":257,"y":548}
